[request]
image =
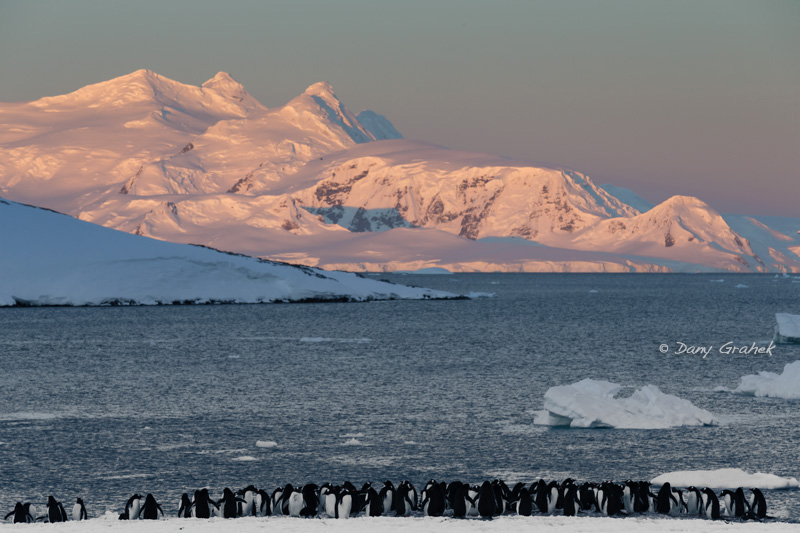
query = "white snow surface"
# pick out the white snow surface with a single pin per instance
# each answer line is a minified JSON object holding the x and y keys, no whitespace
{"x":592,"y":404}
{"x":725,"y":478}
{"x":771,"y":385}
{"x":311,"y":182}
{"x":47,"y":258}
{"x":503,"y":524}
{"x":788,"y":328}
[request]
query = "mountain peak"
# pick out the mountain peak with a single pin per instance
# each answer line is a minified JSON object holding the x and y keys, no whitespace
{"x":322,"y":89}
{"x":224,"y":84}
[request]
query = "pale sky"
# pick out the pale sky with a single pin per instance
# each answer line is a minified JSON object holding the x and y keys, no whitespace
{"x":695,"y":97}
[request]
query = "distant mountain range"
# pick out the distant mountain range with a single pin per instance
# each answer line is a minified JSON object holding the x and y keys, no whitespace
{"x":313,"y":183}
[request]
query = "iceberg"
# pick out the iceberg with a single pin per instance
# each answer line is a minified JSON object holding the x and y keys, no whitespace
{"x":788,"y":329}
{"x":772,"y":385}
{"x":725,"y":478}
{"x":592,"y":404}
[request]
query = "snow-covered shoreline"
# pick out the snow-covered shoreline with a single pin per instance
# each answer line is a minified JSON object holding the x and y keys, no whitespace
{"x":505,"y":524}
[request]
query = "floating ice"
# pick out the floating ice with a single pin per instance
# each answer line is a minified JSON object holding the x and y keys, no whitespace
{"x":788,"y":329}
{"x":352,"y":442}
{"x":266,"y":444}
{"x":725,"y":478}
{"x":742,"y":286}
{"x":591,"y":404}
{"x":245,"y":458}
{"x":353,"y":435}
{"x":771,"y":385}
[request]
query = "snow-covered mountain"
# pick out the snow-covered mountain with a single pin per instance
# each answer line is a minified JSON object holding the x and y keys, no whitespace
{"x":317,"y":184}
{"x":51,"y":259}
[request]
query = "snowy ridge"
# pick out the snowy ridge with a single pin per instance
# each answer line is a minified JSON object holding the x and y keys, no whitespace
{"x":211,"y":165}
{"x":53,"y":259}
{"x":725,"y":478}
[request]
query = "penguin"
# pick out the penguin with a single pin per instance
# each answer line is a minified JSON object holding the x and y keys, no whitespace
{"x":295,"y":504}
{"x":248,"y":495}
{"x":458,"y":499}
{"x":287,"y":493}
{"x":758,"y":504}
{"x":641,"y":501}
{"x":262,"y":504}
{"x":151,"y":508}
{"x":735,"y":503}
{"x":202,"y":506}
{"x":229,"y":501}
{"x":487,"y":504}
{"x":524,"y":505}
{"x":386,"y":495}
{"x":344,"y":503}
{"x":372,"y":503}
{"x":540,"y":495}
{"x":310,"y":494}
{"x":553,"y":495}
{"x":433,"y":503}
{"x":741,"y":505}
{"x":711,"y":507}
{"x":586,"y":496}
{"x":452,"y":490}
{"x":694,"y":501}
{"x":79,"y":510}
{"x":331,"y":498}
{"x":185,"y":506}
{"x":277,"y":501}
{"x":500,"y":496}
{"x":404,"y":499}
{"x":571,"y":501}
{"x":132,"y":507}
{"x":665,"y":500}
{"x":628,"y":496}
{"x":21,"y":513}
{"x":55,"y":511}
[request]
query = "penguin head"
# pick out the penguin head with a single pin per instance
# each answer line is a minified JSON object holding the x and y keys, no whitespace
{"x":79,"y":500}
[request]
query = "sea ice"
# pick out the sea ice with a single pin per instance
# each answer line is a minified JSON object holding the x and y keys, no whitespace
{"x":771,"y":385}
{"x":592,"y":404}
{"x":352,"y":442}
{"x":266,"y":444}
{"x":725,"y":478}
{"x":742,"y":286}
{"x":788,"y":329}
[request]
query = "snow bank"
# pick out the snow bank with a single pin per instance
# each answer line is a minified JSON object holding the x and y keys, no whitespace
{"x":47,"y":258}
{"x":592,"y":404}
{"x":503,"y":524}
{"x":788,"y":329}
{"x":771,"y":385}
{"x":725,"y":478}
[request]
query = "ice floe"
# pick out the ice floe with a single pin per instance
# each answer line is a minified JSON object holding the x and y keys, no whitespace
{"x":788,"y":329}
{"x":592,"y":404}
{"x":771,"y":385}
{"x":266,"y":444}
{"x":725,"y":478}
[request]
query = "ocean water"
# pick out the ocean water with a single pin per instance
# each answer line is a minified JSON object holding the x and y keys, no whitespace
{"x":104,"y":402}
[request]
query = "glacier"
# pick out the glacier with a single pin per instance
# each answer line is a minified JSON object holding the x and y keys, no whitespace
{"x":47,"y":258}
{"x":592,"y":404}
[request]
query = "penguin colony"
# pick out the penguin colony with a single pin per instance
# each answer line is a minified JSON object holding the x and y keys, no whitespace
{"x":455,"y":499}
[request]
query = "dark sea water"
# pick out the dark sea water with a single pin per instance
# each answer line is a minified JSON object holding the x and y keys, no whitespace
{"x":102,"y":402}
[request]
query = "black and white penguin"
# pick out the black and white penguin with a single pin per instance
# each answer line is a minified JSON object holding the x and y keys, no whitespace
{"x":501,"y":494}
{"x":386,"y":495}
{"x":79,"y":510}
{"x":133,"y":506}
{"x":277,"y":501}
{"x":734,"y":502}
{"x":694,"y":501}
{"x":310,"y":494}
{"x":229,"y":503}
{"x":150,"y":508}
{"x":571,"y":503}
{"x":404,"y":499}
{"x":344,"y":503}
{"x":373,"y":506}
{"x":629,"y":496}
{"x":665,"y":501}
{"x":202,"y":505}
{"x":433,"y":503}
{"x":524,"y":505}
{"x":55,"y":511}
{"x":539,"y":491}
{"x":21,"y":514}
{"x":248,"y":494}
{"x":487,"y":504}
{"x":586,"y":496}
{"x":185,"y":506}
{"x":711,"y":505}
{"x":262,"y":504}
{"x":458,"y":499}
{"x":472,"y":500}
{"x":287,"y":494}
{"x":295,"y":504}
{"x":758,"y":504}
{"x":553,"y":497}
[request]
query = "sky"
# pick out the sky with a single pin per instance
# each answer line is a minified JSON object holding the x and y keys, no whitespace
{"x":698,"y":98}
